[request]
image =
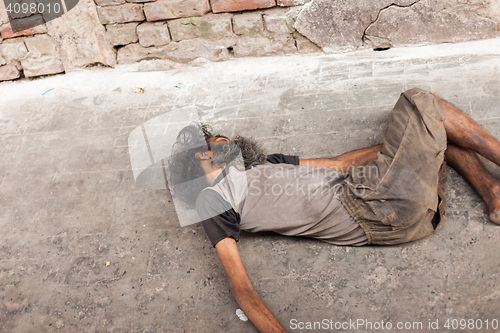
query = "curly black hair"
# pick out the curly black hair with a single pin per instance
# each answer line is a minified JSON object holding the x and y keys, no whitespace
{"x":186,"y":177}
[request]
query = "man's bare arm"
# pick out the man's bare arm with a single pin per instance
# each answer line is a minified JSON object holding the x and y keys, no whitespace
{"x":247,"y":297}
{"x":343,"y":162}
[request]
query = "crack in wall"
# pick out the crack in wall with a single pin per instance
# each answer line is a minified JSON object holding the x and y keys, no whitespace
{"x":364,"y":37}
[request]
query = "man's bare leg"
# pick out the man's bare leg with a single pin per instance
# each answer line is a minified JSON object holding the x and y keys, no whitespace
{"x":486,"y":185}
{"x":465,"y":137}
{"x":343,"y":162}
{"x":464,"y":132}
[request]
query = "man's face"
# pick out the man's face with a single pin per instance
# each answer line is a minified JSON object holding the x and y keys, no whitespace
{"x":208,"y":156}
{"x":214,"y":141}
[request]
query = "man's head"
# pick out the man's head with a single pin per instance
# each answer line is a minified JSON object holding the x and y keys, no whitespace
{"x":197,"y":153}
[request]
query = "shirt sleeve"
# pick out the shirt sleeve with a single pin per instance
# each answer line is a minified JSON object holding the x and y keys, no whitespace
{"x":280,"y":158}
{"x":219,"y":219}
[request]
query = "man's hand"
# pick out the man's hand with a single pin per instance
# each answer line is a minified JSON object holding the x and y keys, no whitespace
{"x":250,"y":302}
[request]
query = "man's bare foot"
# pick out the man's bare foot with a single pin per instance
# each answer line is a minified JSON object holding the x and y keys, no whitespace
{"x":494,"y":207}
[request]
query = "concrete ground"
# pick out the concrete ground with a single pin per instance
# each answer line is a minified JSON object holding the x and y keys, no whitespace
{"x":84,"y":249}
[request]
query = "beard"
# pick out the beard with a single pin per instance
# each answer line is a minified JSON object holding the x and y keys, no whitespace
{"x":252,"y":152}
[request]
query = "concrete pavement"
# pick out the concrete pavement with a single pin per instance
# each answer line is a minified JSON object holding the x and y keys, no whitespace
{"x":84,"y":249}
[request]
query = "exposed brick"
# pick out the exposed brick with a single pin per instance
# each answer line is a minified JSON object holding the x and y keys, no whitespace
{"x":208,"y":26}
{"x":188,"y":50}
{"x":289,"y":3}
{"x":42,"y":58}
{"x":153,"y":34}
{"x":13,"y":49}
{"x":109,"y":2}
{"x":41,"y":66}
{"x":134,"y":52}
{"x":24,"y":27}
{"x":4,"y":18}
{"x":121,"y":34}
{"x":220,"y":6}
{"x":9,"y":72}
{"x":121,"y":14}
{"x":40,"y":45}
{"x":183,"y":51}
{"x":250,"y":23}
{"x":279,"y":21}
{"x":170,"y":9}
{"x":82,"y":38}
{"x":275,"y":44}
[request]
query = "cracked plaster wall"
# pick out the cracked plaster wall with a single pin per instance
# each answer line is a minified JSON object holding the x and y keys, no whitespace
{"x":342,"y":25}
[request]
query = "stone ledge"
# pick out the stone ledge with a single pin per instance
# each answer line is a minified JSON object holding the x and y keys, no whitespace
{"x":121,"y":14}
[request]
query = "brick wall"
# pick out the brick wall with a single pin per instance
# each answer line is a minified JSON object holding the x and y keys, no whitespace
{"x":110,"y":32}
{"x":177,"y":30}
{"x":217,"y":30}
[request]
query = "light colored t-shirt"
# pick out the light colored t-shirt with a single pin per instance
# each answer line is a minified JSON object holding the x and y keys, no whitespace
{"x":288,"y":199}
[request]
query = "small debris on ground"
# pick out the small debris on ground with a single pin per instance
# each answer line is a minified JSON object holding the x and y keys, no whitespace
{"x":241,"y":315}
{"x":139,"y":90}
{"x":48,"y":91}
